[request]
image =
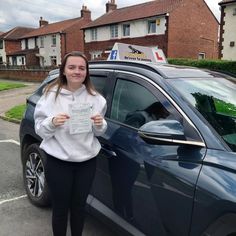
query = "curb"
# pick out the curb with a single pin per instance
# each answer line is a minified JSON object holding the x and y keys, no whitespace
{"x":3,"y":117}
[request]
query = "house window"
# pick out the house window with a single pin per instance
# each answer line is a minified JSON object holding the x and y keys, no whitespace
{"x":151,"y":26}
{"x":94,"y":34}
{"x":202,"y":55}
{"x":126,"y":30}
{"x":114,"y":31}
{"x":1,"y":61}
{"x":22,"y":60}
{"x":41,"y":42}
{"x":14,"y":61}
{"x":26,"y":44}
{"x":35,"y":42}
{"x":96,"y":54}
{"x":53,"y":60}
{"x":234,"y":12}
{"x":54,"y":40}
{"x":1,"y":44}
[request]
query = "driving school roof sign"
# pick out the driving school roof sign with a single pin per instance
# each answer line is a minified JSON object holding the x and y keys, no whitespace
{"x":127,"y":52}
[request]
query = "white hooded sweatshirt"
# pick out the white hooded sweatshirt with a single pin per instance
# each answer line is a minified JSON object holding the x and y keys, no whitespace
{"x":57,"y":141}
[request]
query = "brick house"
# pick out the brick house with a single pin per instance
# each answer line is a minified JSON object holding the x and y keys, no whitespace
{"x":47,"y":45}
{"x":181,"y":28}
{"x":10,"y":42}
{"x":227,"y":33}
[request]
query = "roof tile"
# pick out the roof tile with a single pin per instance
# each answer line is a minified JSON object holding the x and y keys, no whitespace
{"x":144,"y":10}
{"x":16,"y":33}
{"x":53,"y":28}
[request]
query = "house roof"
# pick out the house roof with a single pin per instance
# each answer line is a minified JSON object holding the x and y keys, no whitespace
{"x":15,"y":33}
{"x":53,"y":28}
{"x":226,"y":2}
{"x":23,"y":52}
{"x":135,"y":12}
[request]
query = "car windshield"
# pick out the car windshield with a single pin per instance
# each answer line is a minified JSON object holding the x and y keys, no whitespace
{"x":215,"y":99}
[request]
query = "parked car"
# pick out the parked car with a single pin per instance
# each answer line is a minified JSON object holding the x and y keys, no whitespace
{"x":168,"y":162}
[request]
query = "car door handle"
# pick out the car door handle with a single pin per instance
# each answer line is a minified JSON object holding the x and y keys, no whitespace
{"x":108,"y":150}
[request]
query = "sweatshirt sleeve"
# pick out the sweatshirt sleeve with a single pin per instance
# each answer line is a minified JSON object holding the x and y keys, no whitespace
{"x":98,"y":131}
{"x":43,"y":119}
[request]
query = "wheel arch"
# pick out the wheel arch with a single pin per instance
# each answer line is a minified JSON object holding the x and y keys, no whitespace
{"x":26,"y":142}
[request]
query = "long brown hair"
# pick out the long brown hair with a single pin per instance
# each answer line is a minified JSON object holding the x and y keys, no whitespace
{"x":61,"y":80}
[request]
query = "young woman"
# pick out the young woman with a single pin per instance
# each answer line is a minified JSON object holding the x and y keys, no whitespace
{"x":68,"y":117}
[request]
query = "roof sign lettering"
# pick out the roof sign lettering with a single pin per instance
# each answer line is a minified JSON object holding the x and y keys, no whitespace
{"x":127,"y":52}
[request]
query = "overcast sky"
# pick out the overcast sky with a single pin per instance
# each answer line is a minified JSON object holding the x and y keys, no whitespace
{"x":26,"y":13}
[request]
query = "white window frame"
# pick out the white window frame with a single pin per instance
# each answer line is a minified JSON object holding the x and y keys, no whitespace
{"x":41,"y":39}
{"x":126,"y":30}
{"x":152,"y":27}
{"x":201,"y":55}
{"x":54,"y":40}
{"x":53,"y":59}
{"x":95,"y":54}
{"x":114,"y":31}
{"x":94,"y":34}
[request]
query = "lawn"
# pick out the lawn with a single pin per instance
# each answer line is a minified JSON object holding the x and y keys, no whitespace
{"x":16,"y":112}
{"x":10,"y":85}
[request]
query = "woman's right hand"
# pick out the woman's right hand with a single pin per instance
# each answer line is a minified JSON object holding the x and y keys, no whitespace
{"x":60,"y":119}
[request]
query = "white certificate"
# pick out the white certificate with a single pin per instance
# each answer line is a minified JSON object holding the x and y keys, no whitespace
{"x":80,"y":118}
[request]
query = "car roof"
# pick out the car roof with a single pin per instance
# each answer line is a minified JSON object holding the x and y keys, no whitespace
{"x":167,"y":71}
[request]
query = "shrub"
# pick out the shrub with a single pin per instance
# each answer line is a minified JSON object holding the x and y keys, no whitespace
{"x":228,"y":67}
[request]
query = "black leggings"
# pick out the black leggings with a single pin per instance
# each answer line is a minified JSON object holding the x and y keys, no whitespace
{"x":69,"y":184}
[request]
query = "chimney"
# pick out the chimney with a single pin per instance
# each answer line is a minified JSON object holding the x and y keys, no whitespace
{"x":42,"y":22}
{"x":85,"y":13}
{"x":111,"y":6}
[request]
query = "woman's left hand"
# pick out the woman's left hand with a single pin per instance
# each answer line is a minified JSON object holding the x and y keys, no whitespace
{"x":97,"y":119}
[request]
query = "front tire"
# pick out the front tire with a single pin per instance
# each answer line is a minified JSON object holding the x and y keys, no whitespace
{"x":34,"y":160}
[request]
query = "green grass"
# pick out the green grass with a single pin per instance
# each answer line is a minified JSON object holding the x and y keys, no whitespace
{"x":10,"y":85}
{"x":16,"y":112}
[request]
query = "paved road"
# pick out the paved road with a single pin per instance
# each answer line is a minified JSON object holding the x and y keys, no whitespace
{"x":18,"y":216}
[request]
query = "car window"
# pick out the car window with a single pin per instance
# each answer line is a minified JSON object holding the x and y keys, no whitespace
{"x":215,"y":99}
{"x":135,"y":105}
{"x":99,"y":83}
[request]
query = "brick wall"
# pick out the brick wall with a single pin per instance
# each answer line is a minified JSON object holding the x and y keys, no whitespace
{"x":12,"y":46}
{"x":24,"y":75}
{"x":73,"y":39}
{"x":154,"y":40}
{"x":192,"y":29}
{"x":31,"y":59}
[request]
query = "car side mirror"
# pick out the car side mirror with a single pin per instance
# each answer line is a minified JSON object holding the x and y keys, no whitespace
{"x":168,"y":132}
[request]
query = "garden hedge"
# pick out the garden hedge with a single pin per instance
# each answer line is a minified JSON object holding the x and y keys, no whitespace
{"x":228,"y":67}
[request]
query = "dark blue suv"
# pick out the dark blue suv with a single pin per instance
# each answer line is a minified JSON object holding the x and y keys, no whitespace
{"x":168,"y":162}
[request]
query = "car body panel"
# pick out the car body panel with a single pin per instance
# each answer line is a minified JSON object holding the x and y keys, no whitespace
{"x":215,"y":196}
